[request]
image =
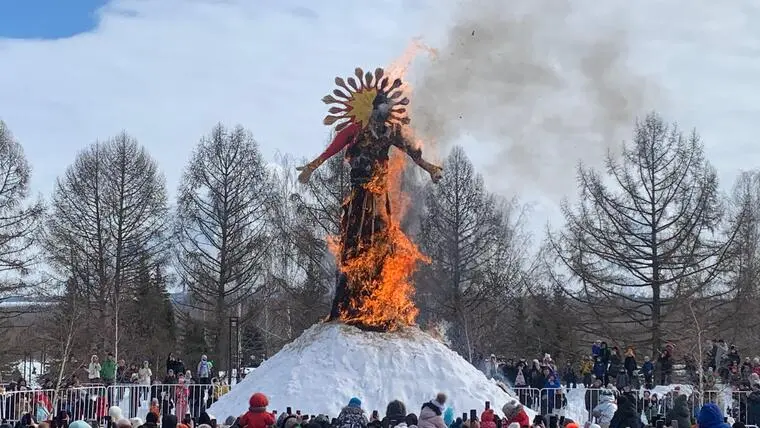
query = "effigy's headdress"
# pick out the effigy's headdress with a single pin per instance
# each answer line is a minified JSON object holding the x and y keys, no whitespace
{"x":372,"y":95}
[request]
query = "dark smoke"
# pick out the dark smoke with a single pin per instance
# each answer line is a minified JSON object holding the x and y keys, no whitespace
{"x":532,"y":86}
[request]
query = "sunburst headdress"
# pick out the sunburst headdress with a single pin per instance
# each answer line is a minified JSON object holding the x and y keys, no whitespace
{"x":354,"y":103}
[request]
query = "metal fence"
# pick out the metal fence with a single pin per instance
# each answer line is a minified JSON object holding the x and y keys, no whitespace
{"x":650,"y":405}
{"x":91,"y":403}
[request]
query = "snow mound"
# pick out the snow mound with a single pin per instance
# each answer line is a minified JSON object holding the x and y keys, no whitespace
{"x":320,"y":371}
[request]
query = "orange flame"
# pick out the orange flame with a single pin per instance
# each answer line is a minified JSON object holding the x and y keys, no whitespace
{"x":387,"y":303}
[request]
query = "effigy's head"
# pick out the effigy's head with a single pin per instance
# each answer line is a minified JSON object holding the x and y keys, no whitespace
{"x":369,"y":101}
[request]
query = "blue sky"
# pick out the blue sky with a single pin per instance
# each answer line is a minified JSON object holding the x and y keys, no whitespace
{"x":167,"y":71}
{"x":47,"y":19}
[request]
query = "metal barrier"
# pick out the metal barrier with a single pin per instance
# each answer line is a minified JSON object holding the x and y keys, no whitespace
{"x":178,"y":400}
{"x":91,"y":403}
{"x":650,"y":405}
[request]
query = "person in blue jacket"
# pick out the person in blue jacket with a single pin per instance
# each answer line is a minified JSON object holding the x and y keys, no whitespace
{"x":711,"y":417}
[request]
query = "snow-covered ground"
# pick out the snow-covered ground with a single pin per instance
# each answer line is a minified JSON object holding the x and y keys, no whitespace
{"x":330,"y":363}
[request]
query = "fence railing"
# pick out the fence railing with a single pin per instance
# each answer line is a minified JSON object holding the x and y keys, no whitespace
{"x":91,"y":403}
{"x":652,"y":406}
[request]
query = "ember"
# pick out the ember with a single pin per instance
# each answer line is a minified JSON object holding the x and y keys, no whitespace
{"x":375,"y":258}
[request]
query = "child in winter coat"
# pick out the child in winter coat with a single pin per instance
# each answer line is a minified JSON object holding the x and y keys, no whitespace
{"x":647,"y":369}
{"x":257,"y":415}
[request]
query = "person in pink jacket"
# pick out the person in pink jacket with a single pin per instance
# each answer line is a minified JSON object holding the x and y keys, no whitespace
{"x":431,"y":415}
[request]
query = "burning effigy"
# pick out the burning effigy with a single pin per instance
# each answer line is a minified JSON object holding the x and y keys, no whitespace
{"x":375,"y":258}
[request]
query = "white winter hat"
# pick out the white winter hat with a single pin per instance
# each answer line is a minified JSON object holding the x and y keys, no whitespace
{"x":115,"y":413}
{"x":136,"y":422}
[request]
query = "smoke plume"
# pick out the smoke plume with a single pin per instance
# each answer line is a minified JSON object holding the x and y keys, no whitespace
{"x":533,"y":87}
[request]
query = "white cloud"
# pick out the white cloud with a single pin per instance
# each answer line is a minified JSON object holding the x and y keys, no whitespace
{"x":167,"y":71}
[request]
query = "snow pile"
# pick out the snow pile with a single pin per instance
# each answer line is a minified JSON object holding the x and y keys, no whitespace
{"x":330,"y":363}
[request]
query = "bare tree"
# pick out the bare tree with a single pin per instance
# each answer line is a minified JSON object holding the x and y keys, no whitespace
{"x":647,"y":236}
{"x":109,"y":214}
{"x":221,"y":227}
{"x":476,"y":247}
{"x":19,"y":220}
{"x":739,"y":320}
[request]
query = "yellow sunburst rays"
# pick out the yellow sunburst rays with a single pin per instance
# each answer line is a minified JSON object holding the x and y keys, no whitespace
{"x":354,"y":100}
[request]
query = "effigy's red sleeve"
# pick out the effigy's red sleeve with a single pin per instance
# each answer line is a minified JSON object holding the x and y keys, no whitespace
{"x":341,"y":140}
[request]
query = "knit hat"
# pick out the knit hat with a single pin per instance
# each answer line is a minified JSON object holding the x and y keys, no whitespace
{"x":355,"y":402}
{"x":258,"y":401}
{"x":79,"y":424}
{"x":115,"y":413}
{"x":292,"y":422}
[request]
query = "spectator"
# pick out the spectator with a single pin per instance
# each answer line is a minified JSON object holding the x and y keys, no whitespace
{"x":600,"y":369}
{"x":448,"y":416}
{"x":666,"y":364}
{"x":592,"y":396}
{"x":93,"y":370}
{"x":352,"y":416}
{"x":571,"y":379}
{"x":520,"y":378}
{"x":395,"y":413}
{"x":487,"y":419}
{"x":710,"y":416}
{"x":647,"y":369}
{"x":626,"y":416}
{"x":596,"y":349}
{"x":411,"y":420}
{"x":615,"y":365}
{"x":586,"y":371}
{"x":679,"y":413}
{"x":204,"y":370}
{"x":432,"y":411}
{"x":605,"y":410}
{"x":630,"y":362}
{"x":753,"y":405}
{"x":169,"y":421}
{"x":514,"y":413}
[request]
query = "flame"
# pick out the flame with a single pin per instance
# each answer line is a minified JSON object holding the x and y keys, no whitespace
{"x":385,"y":301}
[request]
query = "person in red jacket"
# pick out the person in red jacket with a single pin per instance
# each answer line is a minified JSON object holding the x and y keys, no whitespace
{"x":514,"y":413}
{"x":487,"y":419}
{"x":257,"y":415}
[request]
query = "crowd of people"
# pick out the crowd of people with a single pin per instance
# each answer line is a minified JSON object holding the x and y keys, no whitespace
{"x":606,"y":365}
{"x":110,"y":383}
{"x":618,"y":385}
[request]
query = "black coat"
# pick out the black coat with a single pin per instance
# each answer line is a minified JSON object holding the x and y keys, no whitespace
{"x":630,"y":364}
{"x":626,"y":415}
{"x":753,"y":408}
{"x":679,"y":413}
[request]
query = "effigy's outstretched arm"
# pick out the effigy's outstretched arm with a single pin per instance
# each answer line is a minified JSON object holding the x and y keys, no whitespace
{"x":341,"y":140}
{"x":435,"y":171}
